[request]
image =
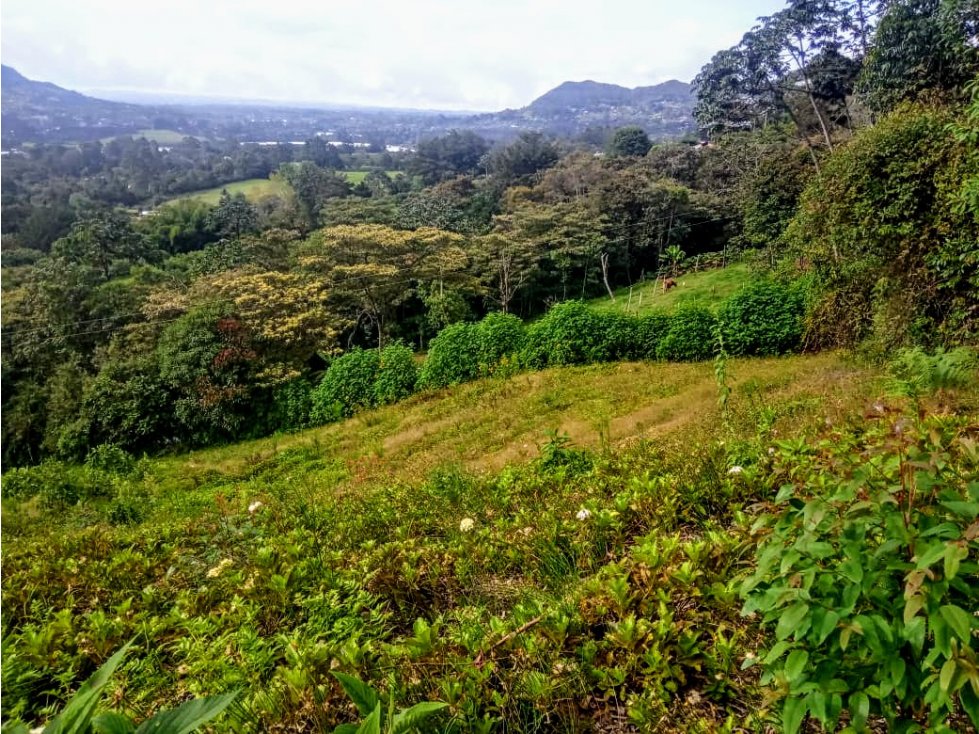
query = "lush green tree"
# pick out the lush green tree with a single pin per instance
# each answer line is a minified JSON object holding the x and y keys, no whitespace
{"x":106,"y":242}
{"x":880,"y":228}
{"x":233,"y":217}
{"x":182,"y":226}
{"x":921,"y":44}
{"x":312,"y":187}
{"x":458,"y":152}
{"x":629,"y":141}
{"x":529,"y":153}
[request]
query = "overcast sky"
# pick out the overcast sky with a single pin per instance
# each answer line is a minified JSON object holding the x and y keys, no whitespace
{"x":440,"y":54}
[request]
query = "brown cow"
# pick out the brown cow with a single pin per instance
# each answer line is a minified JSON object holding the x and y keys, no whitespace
{"x":668,"y":283}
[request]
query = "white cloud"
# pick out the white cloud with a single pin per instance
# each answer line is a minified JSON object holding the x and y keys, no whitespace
{"x":484,"y":54}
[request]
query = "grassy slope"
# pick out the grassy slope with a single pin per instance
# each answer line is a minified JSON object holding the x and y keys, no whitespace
{"x":487,"y":424}
{"x":252,"y":188}
{"x":353,"y":519}
{"x":355,"y":177}
{"x":709,"y":287}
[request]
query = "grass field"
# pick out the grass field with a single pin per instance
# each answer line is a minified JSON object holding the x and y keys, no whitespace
{"x":487,"y":424}
{"x":355,"y":177}
{"x":252,"y":188}
{"x":708,"y":287}
{"x":159,"y":136}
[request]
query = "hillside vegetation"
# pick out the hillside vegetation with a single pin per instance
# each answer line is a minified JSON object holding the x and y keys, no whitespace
{"x":388,"y":456}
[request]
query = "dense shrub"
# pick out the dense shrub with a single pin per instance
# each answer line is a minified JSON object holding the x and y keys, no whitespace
{"x":453,"y":357}
{"x":55,"y":484}
{"x":650,"y":330}
{"x":691,"y":336}
{"x":498,"y":336}
{"x":866,"y":571}
{"x":885,"y":233}
{"x":107,"y":457}
{"x":765,"y":318}
{"x":570,"y":333}
{"x":292,"y":405}
{"x":347,"y":385}
{"x":618,"y":336}
{"x":397,"y":375}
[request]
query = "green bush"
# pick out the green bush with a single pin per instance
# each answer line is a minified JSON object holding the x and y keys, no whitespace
{"x":650,"y":330}
{"x":453,"y":357}
{"x":55,"y":484}
{"x":866,"y":570}
{"x":498,"y":337}
{"x":107,"y":457}
{"x":619,"y":337}
{"x":397,"y":375}
{"x":347,"y":385}
{"x":292,"y":405}
{"x":691,"y":336}
{"x":765,"y":318}
{"x":570,"y":333}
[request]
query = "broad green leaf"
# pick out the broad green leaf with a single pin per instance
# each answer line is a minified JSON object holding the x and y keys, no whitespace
{"x":793,"y":713}
{"x":945,"y":677}
{"x":958,"y":619}
{"x":790,"y":620}
{"x":364,"y":697}
{"x":970,"y":704}
{"x":412,"y":717}
{"x":795,"y":664}
{"x":188,"y":716}
{"x":14,"y":727}
{"x":112,"y":723}
{"x":827,"y":626}
{"x":346,"y":729}
{"x":372,"y":724}
{"x":859,"y":710}
{"x":76,"y":717}
{"x":954,"y":553}
{"x":930,"y":555}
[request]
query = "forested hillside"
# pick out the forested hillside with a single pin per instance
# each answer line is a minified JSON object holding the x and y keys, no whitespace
{"x":670,"y":436}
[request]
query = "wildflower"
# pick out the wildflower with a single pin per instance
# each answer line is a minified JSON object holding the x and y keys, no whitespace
{"x":583,"y":514}
{"x":735,"y":470}
{"x":467,"y":524}
{"x":216,"y":571}
{"x":255,"y":507}
{"x":771,"y":451}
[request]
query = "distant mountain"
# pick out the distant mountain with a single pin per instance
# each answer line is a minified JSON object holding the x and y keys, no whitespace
{"x":580,"y":108}
{"x":35,"y":111}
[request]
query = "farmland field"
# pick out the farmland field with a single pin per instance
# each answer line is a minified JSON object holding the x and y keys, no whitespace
{"x":706,"y":288}
{"x":252,"y":188}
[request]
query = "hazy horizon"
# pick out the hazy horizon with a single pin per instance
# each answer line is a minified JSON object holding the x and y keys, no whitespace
{"x":432,"y":55}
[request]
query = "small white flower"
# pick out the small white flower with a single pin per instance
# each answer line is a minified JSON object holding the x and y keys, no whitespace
{"x":771,"y":451}
{"x":583,"y":514}
{"x":735,"y":470}
{"x":255,"y":507}
{"x":467,"y":524}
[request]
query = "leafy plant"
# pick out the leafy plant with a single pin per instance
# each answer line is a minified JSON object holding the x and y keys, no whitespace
{"x":347,"y":385}
{"x":376,"y":720}
{"x":79,"y":717}
{"x":690,"y":337}
{"x":765,"y":318}
{"x":915,"y":373}
{"x":397,"y":374}
{"x":866,"y":571}
{"x":453,"y":357}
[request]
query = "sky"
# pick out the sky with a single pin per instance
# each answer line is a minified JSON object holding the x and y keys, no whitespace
{"x":433,"y":54}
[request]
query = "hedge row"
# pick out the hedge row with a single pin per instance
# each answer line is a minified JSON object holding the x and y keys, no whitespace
{"x":764,"y":319}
